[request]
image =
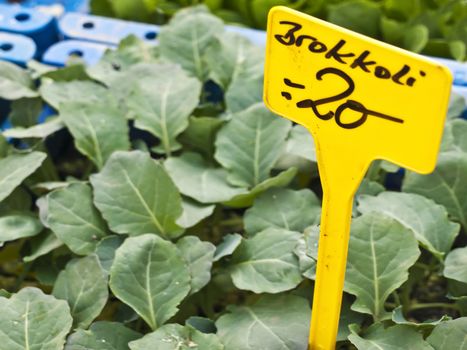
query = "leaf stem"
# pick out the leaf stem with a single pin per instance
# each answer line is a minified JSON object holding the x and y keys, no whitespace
{"x":418,"y":306}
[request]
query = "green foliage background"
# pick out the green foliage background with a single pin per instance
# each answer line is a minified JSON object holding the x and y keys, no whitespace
{"x":432,"y":27}
{"x":164,"y":207}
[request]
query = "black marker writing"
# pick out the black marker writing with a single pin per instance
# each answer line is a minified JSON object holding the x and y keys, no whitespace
{"x":349,"y":104}
{"x":339,"y":53}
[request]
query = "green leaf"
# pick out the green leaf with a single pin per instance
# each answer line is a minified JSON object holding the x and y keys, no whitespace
{"x":358,"y":15}
{"x":150,"y":275}
{"x":40,"y":131}
{"x":300,"y":143}
{"x":194,"y":213}
{"x":98,"y":129}
{"x":17,"y":167}
{"x":398,"y":317}
{"x":266,"y":263}
{"x":177,"y":337}
{"x":18,"y":201}
{"x":455,"y":265}
{"x":121,"y":69}
{"x":250,"y":144}
{"x":449,"y":335}
{"x":246,"y":200}
{"x":15,"y":226}
{"x":403,"y":9}
{"x":185,"y":41}
{"x":455,"y":136}
{"x":88,"y":92}
{"x":229,"y":244}
{"x":83,"y":285}
{"x":244,"y":91}
{"x":416,"y":38}
{"x":135,"y":10}
{"x":307,"y":252}
{"x":156,"y":105}
{"x":275,"y":322}
{"x":41,"y":245}
{"x":25,"y":111}
{"x":197,"y":180}
{"x":201,"y":134}
{"x":102,"y":335}
{"x":32,"y":320}
{"x":231,"y":55}
{"x":457,"y":104}
{"x":4,"y":146}
{"x":199,"y":256}
{"x":74,"y":219}
{"x":381,"y":251}
{"x":106,"y":249}
{"x":428,"y":220}
{"x":15,"y":83}
{"x":147,"y":200}
{"x":445,"y":185}
{"x":284,"y":209}
{"x":392,"y":338}
{"x":76,"y":71}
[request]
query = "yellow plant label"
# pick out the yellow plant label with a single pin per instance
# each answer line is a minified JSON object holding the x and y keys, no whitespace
{"x":362,"y":100}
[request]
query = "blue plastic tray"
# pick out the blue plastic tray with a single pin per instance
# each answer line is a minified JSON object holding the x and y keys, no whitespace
{"x":16,"y":48}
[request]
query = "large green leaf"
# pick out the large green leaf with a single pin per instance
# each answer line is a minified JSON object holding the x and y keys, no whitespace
{"x":197,"y":180}
{"x":266,"y":263}
{"x":34,"y":321}
{"x":300,"y":143}
{"x":177,"y":337}
{"x":445,"y":185}
{"x":455,"y":265}
{"x":450,"y":335}
{"x":276,"y":322}
{"x":147,"y":199}
{"x":57,"y":93}
{"x":283,"y":208}
{"x":102,"y":335}
{"x":17,"y":167}
{"x":426,"y":219}
{"x":15,"y":83}
{"x":244,"y":91}
{"x":232,"y":55}
{"x":455,"y":136}
{"x":83,"y":285}
{"x":150,"y":275}
{"x":381,"y":251}
{"x":156,"y":105}
{"x":250,"y":144}
{"x":185,"y":41}
{"x":73,"y":218}
{"x":98,"y":129}
{"x":392,"y":338}
{"x":15,"y":226}
{"x":199,"y":256}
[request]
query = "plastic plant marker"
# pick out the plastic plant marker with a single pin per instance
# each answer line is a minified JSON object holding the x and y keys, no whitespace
{"x":361,"y":100}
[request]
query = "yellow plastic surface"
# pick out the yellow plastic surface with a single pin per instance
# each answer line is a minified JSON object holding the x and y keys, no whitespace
{"x":361,"y":100}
